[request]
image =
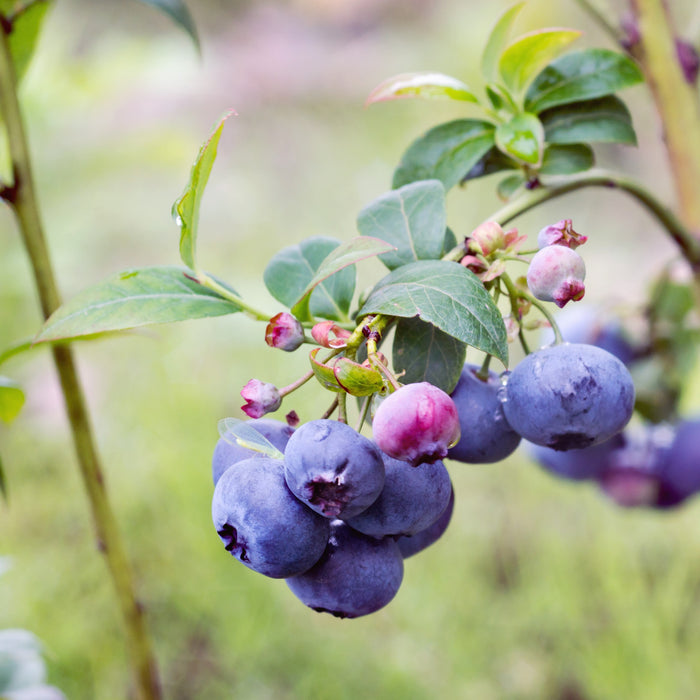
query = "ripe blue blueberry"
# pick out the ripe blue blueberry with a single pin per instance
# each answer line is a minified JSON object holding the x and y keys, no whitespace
{"x":226,"y":453}
{"x":569,"y":396}
{"x":485,"y":434}
{"x":578,"y":465}
{"x":333,"y":469}
{"x":417,"y":423}
{"x":262,"y":524}
{"x":412,"y":499}
{"x":412,"y":544}
{"x":680,"y":477}
{"x":357,"y":575}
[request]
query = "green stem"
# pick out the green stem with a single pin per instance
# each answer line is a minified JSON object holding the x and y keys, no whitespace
{"x":689,"y":245}
{"x":285,"y":391}
{"x":21,"y":196}
{"x":222,"y":291}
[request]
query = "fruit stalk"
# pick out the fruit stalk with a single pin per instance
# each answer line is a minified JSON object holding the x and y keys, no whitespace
{"x":21,"y":196}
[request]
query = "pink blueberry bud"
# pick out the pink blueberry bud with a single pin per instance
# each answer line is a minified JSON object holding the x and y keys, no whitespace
{"x":556,"y":273}
{"x":260,"y":397}
{"x":486,"y":238}
{"x":561,"y":233}
{"x":284,"y":332}
{"x":417,"y":423}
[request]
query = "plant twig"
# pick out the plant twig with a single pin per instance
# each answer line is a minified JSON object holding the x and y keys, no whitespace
{"x":689,"y":245}
{"x":25,"y":207}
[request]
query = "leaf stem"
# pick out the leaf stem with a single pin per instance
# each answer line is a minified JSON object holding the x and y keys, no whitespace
{"x":207,"y":281}
{"x":686,"y":241}
{"x":285,"y":391}
{"x":21,"y":197}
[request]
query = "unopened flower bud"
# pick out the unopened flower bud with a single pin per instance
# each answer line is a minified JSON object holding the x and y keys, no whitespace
{"x":486,"y":238}
{"x":561,"y":233}
{"x":330,"y":335}
{"x":556,"y":273}
{"x":284,"y":332}
{"x":260,"y":397}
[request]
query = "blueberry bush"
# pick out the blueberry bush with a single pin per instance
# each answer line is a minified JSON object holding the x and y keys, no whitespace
{"x":456,"y":352}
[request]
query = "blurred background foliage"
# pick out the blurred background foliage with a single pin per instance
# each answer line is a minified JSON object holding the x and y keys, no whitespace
{"x":539,"y":589}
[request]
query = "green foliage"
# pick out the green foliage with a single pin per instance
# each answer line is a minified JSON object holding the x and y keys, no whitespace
{"x":186,"y":208}
{"x":605,"y":119}
{"x":11,"y":399}
{"x":426,"y":354}
{"x":522,"y":60}
{"x":580,"y":76}
{"x":447,"y":295}
{"x":411,"y":219}
{"x":446,"y":152}
{"x":339,"y":258}
{"x":135,"y":298}
{"x":426,"y":85}
{"x":292,"y":271}
{"x":522,"y":138}
{"x":178,"y":12}
{"x":26,"y":27}
{"x":534,"y":99}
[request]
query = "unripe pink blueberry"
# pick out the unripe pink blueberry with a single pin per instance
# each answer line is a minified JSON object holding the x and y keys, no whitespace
{"x":417,"y":423}
{"x":284,"y":332}
{"x":556,"y":273}
{"x":260,"y":397}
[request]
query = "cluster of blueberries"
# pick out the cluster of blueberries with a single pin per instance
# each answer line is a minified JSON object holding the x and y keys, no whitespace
{"x":337,"y":513}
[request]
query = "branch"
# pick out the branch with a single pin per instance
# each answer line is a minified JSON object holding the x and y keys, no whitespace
{"x":686,"y":241}
{"x":25,"y":207}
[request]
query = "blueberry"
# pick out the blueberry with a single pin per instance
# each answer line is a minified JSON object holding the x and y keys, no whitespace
{"x":556,"y":273}
{"x":412,"y":544}
{"x":486,"y":436}
{"x":226,"y":453}
{"x":634,"y":474}
{"x":357,"y":575}
{"x":333,"y":469}
{"x":680,"y":477}
{"x":578,"y":465}
{"x":412,"y":499}
{"x":569,"y":396}
{"x":417,"y":423}
{"x":262,"y":524}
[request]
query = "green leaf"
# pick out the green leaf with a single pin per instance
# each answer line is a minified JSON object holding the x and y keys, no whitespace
{"x":566,"y":159}
{"x":324,"y":373}
{"x":11,"y":399}
{"x":177,"y":11}
{"x":238,"y":432}
{"x":500,"y":100}
{"x":529,"y":54}
{"x":509,"y":185}
{"x":359,"y":248}
{"x":497,"y":41}
{"x":446,"y":153}
{"x":447,"y":295}
{"x":186,"y":208}
{"x":135,"y":298}
{"x":411,"y":219}
{"x":605,"y":119}
{"x":356,"y":379}
{"x":292,"y":270}
{"x":582,"y":75}
{"x":426,"y":354}
{"x":449,"y":242}
{"x":494,"y":161}
{"x":522,"y":138}
{"x":25,"y":32}
{"x":424,"y":84}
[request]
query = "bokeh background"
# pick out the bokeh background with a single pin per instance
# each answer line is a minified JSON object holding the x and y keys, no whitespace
{"x":539,"y":589}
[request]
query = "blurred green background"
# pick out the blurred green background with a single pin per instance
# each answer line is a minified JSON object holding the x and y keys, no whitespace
{"x":539,"y":589}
